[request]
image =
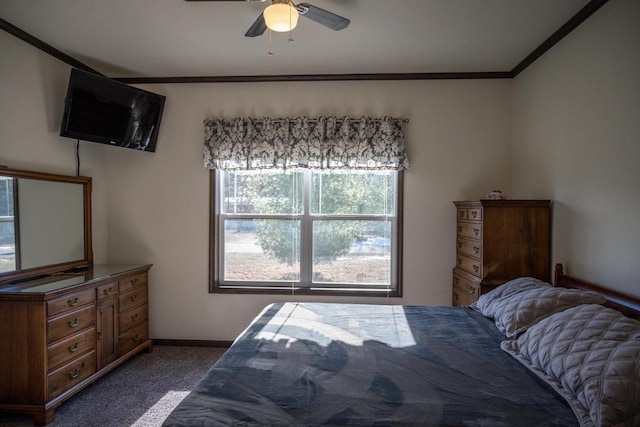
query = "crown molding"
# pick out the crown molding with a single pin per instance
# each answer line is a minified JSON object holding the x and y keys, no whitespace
{"x":568,"y":27}
{"x":316,"y":77}
{"x":47,"y":48}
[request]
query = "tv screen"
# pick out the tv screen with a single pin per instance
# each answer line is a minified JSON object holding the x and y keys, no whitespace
{"x":100,"y":109}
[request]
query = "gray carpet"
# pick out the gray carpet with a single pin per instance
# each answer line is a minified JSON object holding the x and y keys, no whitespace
{"x":140,"y":393}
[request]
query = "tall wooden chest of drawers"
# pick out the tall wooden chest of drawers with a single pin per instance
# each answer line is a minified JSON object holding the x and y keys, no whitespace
{"x":58,"y":334}
{"x":499,"y":240}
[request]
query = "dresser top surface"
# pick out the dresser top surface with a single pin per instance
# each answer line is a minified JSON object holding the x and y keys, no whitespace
{"x":502,"y":203}
{"x":54,"y":283}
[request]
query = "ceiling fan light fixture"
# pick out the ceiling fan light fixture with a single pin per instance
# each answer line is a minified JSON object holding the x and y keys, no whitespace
{"x":280,"y":17}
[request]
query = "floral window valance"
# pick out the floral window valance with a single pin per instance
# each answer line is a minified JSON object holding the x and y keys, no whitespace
{"x":318,"y":143}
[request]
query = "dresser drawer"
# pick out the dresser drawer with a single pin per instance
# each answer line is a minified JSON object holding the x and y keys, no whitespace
{"x":105,"y":291}
{"x":133,"y":282}
{"x":474,"y":214}
{"x":465,"y":285}
{"x":70,"y":323}
{"x":471,"y":265}
{"x":76,"y":345}
{"x":71,"y":374}
{"x":471,"y":248}
{"x":133,"y":298}
{"x":470,"y":229}
{"x":462,"y":298}
{"x":134,"y":316}
{"x":470,"y":214}
{"x":70,"y":302}
{"x":133,"y":337}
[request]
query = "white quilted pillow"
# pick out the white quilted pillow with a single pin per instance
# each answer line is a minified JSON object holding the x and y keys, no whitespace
{"x":516,"y":313}
{"x":591,"y":355}
{"x":486,"y":302}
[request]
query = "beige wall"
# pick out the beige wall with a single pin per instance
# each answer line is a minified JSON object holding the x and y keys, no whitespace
{"x":458,"y":143}
{"x":564,"y":129}
{"x":33,"y":86}
{"x":576,"y":114}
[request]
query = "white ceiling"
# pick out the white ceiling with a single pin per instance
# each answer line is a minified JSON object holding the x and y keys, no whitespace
{"x":163,"y":38}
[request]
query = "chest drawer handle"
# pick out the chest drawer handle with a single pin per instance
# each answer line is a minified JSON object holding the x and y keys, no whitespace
{"x":108,"y":291}
{"x":459,"y":229}
{"x":134,"y":282}
{"x":73,"y":348}
{"x":456,"y":280}
{"x":73,"y":323}
{"x":134,"y":317}
{"x":476,"y":250}
{"x":474,"y":214}
{"x":134,"y":298}
{"x":476,"y":231}
{"x":75,"y":373}
{"x":476,"y":268}
{"x":135,"y":338}
{"x":73,"y":302}
{"x":459,"y":261}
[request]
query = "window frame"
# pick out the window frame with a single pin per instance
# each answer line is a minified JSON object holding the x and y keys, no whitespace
{"x":216,"y":286}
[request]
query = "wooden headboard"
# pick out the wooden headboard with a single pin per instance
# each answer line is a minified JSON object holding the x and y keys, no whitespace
{"x":628,"y":305}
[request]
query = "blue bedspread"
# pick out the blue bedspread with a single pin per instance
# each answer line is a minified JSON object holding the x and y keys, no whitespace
{"x":357,"y":364}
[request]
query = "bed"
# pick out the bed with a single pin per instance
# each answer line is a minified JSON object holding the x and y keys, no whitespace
{"x":529,"y":354}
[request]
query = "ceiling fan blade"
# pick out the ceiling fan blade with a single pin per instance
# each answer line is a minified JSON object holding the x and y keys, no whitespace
{"x":321,"y":16}
{"x":258,"y":28}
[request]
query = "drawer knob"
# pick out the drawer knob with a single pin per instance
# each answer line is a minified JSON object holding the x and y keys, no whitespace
{"x":73,"y":348}
{"x":108,"y":291}
{"x":134,"y":317}
{"x":135,"y":338}
{"x":474,"y":214}
{"x":456,"y":280}
{"x":476,"y":268}
{"x":459,"y":261}
{"x":73,"y":323}
{"x":461,"y":214}
{"x":134,"y":298}
{"x":134,"y":282}
{"x":476,"y":231}
{"x":455,"y":296}
{"x":459,"y":245}
{"x":73,"y":302}
{"x":476,"y":250}
{"x":75,"y":373}
{"x":459,"y":229}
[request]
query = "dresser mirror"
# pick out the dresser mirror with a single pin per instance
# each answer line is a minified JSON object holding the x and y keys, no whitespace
{"x":45,"y":223}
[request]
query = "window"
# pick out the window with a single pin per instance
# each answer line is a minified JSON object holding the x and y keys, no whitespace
{"x":306,"y":231}
{"x":306,"y":205}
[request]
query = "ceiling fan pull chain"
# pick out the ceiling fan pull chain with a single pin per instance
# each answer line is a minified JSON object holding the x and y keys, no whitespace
{"x":290,"y":39}
{"x":270,"y":52}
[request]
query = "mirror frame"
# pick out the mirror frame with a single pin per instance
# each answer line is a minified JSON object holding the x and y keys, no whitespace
{"x":25,"y":274}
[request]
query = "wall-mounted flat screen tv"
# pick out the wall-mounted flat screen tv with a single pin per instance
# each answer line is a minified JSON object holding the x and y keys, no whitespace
{"x":99,"y":109}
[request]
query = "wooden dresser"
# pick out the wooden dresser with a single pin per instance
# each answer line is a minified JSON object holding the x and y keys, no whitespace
{"x":499,"y":240}
{"x":58,"y":334}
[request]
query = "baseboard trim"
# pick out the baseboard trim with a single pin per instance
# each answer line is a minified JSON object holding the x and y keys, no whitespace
{"x":193,"y":343}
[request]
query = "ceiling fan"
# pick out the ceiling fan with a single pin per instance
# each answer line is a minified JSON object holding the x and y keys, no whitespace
{"x":282,"y":16}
